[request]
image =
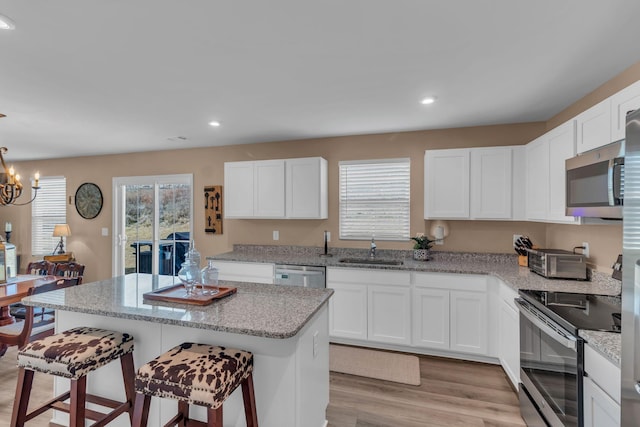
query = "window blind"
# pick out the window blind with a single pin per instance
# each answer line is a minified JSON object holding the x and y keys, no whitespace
{"x":375,"y":199}
{"x":48,"y":209}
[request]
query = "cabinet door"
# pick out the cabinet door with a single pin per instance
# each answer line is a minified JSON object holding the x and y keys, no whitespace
{"x":537,"y":153}
{"x":238,"y":189}
{"x":245,"y":271}
{"x":446,"y":183}
{"x":469,"y":322}
{"x":628,"y":99}
{"x":389,"y":314}
{"x":594,"y":127}
{"x":431,"y":318}
{"x":600,"y":410}
{"x":306,"y":188}
{"x":509,"y":342}
{"x":269,"y":189}
{"x":491,"y":183}
{"x":562,"y":146}
{"x":348,"y":311}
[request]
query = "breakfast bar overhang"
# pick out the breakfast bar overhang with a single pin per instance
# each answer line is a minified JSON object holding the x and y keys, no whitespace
{"x":286,"y":328}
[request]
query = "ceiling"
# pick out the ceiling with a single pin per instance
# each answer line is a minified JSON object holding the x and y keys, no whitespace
{"x":97,"y":77}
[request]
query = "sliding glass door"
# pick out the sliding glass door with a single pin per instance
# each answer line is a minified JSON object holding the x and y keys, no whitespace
{"x":153,"y":218}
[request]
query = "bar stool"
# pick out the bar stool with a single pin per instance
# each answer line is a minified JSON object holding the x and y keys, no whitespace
{"x":196,"y":374}
{"x":73,"y":354}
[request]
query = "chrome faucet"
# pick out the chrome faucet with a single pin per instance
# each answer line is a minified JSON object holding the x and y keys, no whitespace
{"x":372,"y":251}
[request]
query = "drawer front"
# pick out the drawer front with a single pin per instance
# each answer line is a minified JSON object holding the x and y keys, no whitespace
{"x":368,"y":276}
{"x":453,"y":281}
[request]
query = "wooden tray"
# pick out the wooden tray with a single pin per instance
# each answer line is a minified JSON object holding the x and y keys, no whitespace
{"x":176,"y":293}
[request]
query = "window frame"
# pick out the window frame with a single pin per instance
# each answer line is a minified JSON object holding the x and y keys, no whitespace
{"x":403,"y":232}
{"x":53,"y":212}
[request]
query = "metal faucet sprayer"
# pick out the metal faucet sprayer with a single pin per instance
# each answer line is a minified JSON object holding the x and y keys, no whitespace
{"x":372,"y":251}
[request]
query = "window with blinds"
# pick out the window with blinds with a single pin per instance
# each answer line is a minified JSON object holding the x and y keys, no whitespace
{"x":48,"y":209}
{"x":374,"y":199}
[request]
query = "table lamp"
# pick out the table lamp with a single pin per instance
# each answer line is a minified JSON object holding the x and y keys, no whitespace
{"x":61,"y":230}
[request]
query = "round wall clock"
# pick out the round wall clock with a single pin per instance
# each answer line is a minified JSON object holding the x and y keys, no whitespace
{"x":88,"y":200}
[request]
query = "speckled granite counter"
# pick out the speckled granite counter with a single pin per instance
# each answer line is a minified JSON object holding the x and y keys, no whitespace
{"x":607,"y":343}
{"x":503,"y":266}
{"x":259,"y":310}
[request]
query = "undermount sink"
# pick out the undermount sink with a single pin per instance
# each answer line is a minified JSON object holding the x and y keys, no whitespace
{"x":370,"y":261}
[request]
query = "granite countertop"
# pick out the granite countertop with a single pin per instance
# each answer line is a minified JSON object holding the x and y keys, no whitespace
{"x":269,"y":311}
{"x":503,"y":266}
{"x":607,"y":343}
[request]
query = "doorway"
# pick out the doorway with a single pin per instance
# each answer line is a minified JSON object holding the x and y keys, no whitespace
{"x":152,"y":223}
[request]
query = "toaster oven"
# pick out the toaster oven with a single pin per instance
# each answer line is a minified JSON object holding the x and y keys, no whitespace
{"x":557,"y":264}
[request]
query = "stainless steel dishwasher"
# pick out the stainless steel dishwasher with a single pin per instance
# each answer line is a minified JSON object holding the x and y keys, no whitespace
{"x":300,"y":275}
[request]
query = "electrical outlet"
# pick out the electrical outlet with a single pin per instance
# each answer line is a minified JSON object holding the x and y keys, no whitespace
{"x":276,"y":235}
{"x":515,"y":238}
{"x":585,"y":251}
{"x":328,"y":236}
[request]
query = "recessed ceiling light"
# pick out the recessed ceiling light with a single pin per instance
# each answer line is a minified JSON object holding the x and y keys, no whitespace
{"x":6,"y":23}
{"x":214,"y":123}
{"x":428,"y":100}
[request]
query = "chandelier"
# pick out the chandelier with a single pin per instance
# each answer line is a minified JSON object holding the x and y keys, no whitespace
{"x":10,"y":185}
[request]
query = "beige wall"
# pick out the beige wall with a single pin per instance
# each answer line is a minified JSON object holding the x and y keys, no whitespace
{"x":206,"y":164}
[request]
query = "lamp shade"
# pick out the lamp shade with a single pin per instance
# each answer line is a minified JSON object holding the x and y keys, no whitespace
{"x":61,"y":230}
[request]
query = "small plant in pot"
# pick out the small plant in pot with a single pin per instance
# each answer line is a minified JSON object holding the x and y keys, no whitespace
{"x":422,"y":247}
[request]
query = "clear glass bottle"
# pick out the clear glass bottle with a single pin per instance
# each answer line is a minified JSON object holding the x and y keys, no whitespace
{"x":209,"y":279}
{"x":193,"y":254}
{"x":189,"y":275}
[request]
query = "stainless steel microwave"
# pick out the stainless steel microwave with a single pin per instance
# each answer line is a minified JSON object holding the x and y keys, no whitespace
{"x":595,"y":183}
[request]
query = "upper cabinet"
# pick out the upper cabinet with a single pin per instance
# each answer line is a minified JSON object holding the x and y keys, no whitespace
{"x":291,"y":188}
{"x":446,"y":183}
{"x":594,"y":126}
{"x":623,"y":102}
{"x":471,"y":183}
{"x":545,"y":172}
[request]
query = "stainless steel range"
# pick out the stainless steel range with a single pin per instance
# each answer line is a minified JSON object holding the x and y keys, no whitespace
{"x":551,"y":352}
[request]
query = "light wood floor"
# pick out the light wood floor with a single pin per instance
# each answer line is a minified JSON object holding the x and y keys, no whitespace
{"x":452,"y":393}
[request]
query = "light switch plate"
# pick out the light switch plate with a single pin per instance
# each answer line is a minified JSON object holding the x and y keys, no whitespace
{"x":105,"y":231}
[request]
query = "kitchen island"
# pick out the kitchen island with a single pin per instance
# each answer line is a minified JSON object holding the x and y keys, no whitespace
{"x":286,"y":328}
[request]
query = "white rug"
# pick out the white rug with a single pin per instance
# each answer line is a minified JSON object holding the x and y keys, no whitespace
{"x":379,"y":364}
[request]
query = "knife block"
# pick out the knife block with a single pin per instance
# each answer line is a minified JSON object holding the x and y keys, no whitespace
{"x":523,"y":260}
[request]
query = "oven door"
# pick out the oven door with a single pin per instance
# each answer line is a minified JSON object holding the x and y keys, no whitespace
{"x":551,"y":370}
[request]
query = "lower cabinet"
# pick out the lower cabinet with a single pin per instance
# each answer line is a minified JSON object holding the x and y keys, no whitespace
{"x":370,"y":305}
{"x":450,"y":312}
{"x":509,"y":336}
{"x":600,"y":410}
{"x":245,"y":271}
{"x":601,"y":396}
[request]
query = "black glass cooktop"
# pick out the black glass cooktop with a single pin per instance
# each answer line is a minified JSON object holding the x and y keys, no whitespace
{"x":578,"y":311}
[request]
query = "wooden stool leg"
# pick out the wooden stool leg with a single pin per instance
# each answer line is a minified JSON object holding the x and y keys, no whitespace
{"x":129,"y":374}
{"x":78,"y":402}
{"x":141,"y":410}
{"x":21,"y":402}
{"x":214,"y":417}
{"x":183,"y":410}
{"x":249,"y":398}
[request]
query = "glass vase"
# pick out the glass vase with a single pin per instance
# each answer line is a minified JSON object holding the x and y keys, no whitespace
{"x":189,"y":274}
{"x":209,"y":279}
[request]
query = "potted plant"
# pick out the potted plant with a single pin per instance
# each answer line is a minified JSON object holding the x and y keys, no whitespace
{"x":422,"y":247}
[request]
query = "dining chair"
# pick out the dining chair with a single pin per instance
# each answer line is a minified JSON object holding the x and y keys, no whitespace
{"x":69,"y":270}
{"x":41,"y":268}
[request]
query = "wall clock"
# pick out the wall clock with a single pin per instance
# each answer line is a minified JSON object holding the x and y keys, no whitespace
{"x":88,"y":200}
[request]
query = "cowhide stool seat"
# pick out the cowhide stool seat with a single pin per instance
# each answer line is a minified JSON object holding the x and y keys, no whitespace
{"x":73,"y":354}
{"x":196,"y":374}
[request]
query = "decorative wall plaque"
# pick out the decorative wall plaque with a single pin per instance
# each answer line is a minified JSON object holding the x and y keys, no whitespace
{"x":213,"y":209}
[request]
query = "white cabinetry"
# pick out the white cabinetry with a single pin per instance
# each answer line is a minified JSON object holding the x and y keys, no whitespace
{"x":292,"y":188}
{"x":491,"y":183}
{"x":446,"y":184}
{"x":628,"y":99}
{"x":601,"y":390}
{"x":371,"y":305}
{"x":545,"y":172}
{"x":470,"y":183}
{"x":245,"y":271}
{"x":509,"y":335}
{"x":306,"y":188}
{"x":465,"y":312}
{"x":594,"y":126}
